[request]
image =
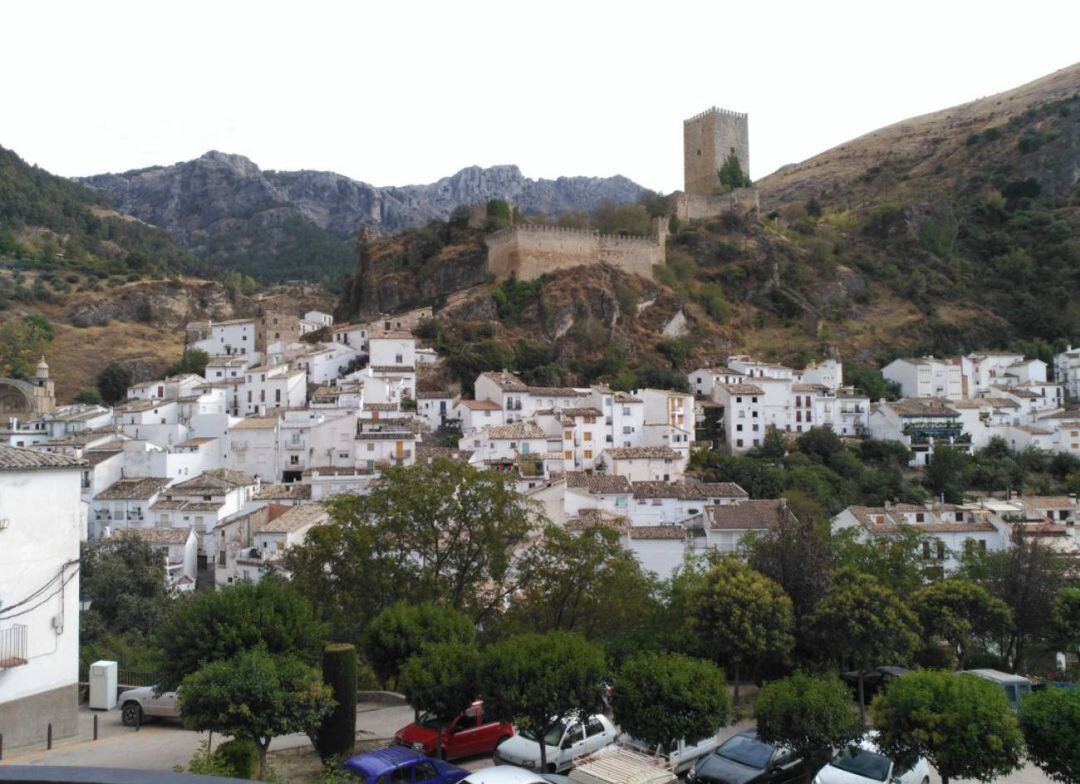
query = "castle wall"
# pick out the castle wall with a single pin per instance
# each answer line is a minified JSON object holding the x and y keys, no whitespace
{"x":708,"y":139}
{"x":530,"y":251}
{"x":690,"y":207}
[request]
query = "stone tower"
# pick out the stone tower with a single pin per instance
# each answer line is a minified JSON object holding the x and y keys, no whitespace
{"x":708,"y":139}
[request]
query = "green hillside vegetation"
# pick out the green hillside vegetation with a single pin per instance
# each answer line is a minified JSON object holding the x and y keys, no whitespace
{"x":52,"y":223}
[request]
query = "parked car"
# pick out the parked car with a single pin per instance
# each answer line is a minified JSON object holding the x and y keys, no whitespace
{"x":1016,"y":687}
{"x":137,"y":704}
{"x":745,"y":759}
{"x":565,"y":739}
{"x":863,"y":763}
{"x":466,"y":735}
{"x":511,"y":774}
{"x":398,"y":765}
{"x":680,"y":754}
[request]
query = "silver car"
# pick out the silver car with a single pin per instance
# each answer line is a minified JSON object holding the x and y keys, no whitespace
{"x":137,"y":704}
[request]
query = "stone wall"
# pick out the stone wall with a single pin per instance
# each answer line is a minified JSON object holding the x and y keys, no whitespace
{"x":708,"y":139}
{"x":690,"y":207}
{"x":530,"y":251}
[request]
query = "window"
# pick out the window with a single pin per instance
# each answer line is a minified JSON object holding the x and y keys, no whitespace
{"x":738,"y":428}
{"x":626,"y":412}
{"x":470,"y":720}
{"x":588,"y":436}
{"x":926,"y":550}
{"x":593,"y":727}
{"x":294,"y":459}
{"x":588,"y":454}
{"x":941,"y":550}
{"x":277,"y":395}
{"x":738,"y":442}
{"x":568,"y":455}
{"x":397,"y":359}
{"x":343,"y":455}
{"x":738,"y":400}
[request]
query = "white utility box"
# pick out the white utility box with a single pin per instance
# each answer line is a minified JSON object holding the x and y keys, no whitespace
{"x":103,"y":681}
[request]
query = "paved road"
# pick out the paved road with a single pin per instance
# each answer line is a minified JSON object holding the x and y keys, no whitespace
{"x":161,"y":745}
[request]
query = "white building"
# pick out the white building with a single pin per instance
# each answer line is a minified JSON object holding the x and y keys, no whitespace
{"x":436,"y":407}
{"x":40,"y":525}
{"x":644,"y":463}
{"x":270,"y":539}
{"x":179,"y":550}
{"x":125,"y":504}
{"x":920,"y":424}
{"x":927,"y":376}
{"x":252,"y":446}
{"x":744,"y":419}
{"x":1067,"y":372}
{"x":236,"y":336}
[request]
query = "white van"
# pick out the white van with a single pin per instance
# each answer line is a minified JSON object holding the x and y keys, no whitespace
{"x":1016,"y":686}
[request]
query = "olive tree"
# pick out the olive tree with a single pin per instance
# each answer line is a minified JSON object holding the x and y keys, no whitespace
{"x":1050,"y":720}
{"x":808,"y":715}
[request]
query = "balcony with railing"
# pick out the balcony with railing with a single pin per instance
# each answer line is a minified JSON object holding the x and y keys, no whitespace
{"x":13,"y":646}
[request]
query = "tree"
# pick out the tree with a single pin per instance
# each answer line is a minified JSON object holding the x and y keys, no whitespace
{"x":219,"y":625}
{"x":1050,"y":720}
{"x":337,"y":731}
{"x":870,"y":382}
{"x":529,"y":678}
{"x":946,"y":473}
{"x":798,"y":557}
{"x":808,"y":715}
{"x":585,"y":582}
{"x":897,"y":563}
{"x":113,"y":382}
{"x":1065,"y":619}
{"x":90,"y":396}
{"x":22,"y":343}
{"x":255,"y":696}
{"x":741,"y":618}
{"x":663,"y":698}
{"x":193,"y":360}
{"x":123,"y":578}
{"x":961,"y":613}
{"x":1027,"y":577}
{"x":731,"y":175}
{"x":441,"y":681}
{"x":402,"y":630}
{"x":775,"y":444}
{"x":861,"y":623}
{"x":961,"y":724}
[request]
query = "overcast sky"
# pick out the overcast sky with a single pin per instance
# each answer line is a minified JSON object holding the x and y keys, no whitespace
{"x":405,"y":92}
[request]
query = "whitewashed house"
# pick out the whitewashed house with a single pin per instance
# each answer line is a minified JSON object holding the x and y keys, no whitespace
{"x":125,"y":504}
{"x":644,"y":463}
{"x":1067,"y":372}
{"x":40,"y":530}
{"x":436,"y":407}
{"x":927,"y":376}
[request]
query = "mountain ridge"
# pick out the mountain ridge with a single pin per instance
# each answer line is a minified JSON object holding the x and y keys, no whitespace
{"x":228,"y":211}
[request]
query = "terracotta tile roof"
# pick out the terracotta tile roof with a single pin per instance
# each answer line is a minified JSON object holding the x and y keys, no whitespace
{"x":590,"y":517}
{"x":516,"y":431}
{"x":83,"y":437}
{"x":556,"y":392}
{"x":195,"y":442}
{"x":922,"y":406}
{"x":426,"y":453}
{"x":294,"y":519}
{"x":433,"y":394}
{"x":582,"y":412}
{"x":392,"y":368}
{"x":214,"y":479}
{"x":17,"y":458}
{"x":335,"y":471}
{"x":164,"y":536}
{"x":480,"y":405}
{"x":656,"y":532}
{"x":295,"y":491}
{"x":598,"y":484}
{"x":688,"y":491}
{"x":505,"y":381}
{"x":757,"y":515}
{"x":642,"y":453}
{"x":256,"y":423}
{"x":742,"y":389}
{"x":133,"y":488}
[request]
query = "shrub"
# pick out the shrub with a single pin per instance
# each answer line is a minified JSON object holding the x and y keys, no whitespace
{"x":240,"y":757}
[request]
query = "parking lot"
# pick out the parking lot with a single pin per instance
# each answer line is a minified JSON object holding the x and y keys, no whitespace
{"x":161,"y":745}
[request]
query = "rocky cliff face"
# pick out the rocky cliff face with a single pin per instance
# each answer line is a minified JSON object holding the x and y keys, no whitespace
{"x":227,"y":210}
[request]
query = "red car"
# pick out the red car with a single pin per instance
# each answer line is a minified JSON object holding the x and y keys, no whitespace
{"x":467,"y":735}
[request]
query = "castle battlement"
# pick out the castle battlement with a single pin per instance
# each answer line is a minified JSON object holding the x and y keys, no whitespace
{"x":527,"y":251}
{"x":718,"y":111}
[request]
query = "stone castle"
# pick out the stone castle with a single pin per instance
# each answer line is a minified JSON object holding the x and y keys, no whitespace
{"x":528,"y":251}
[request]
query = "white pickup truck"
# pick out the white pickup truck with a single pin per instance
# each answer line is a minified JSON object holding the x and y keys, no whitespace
{"x":680,"y":755}
{"x":621,"y":765}
{"x":136,"y":704}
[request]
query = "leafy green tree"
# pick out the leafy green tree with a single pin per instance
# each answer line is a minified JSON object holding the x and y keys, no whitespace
{"x":219,"y":625}
{"x":861,"y":623}
{"x":741,"y":618}
{"x":1050,"y":721}
{"x":90,"y":396}
{"x":897,"y":564}
{"x":870,"y":382}
{"x":760,"y":478}
{"x":583,"y":582}
{"x":22,"y":343}
{"x":961,"y":613}
{"x":498,"y":214}
{"x":113,"y":382}
{"x":529,"y":678}
{"x":255,"y":696}
{"x":808,"y":715}
{"x":731,"y":175}
{"x":775,"y":444}
{"x":612,"y":218}
{"x":1027,"y":577}
{"x":123,"y":578}
{"x":961,"y":724}
{"x":402,"y":630}
{"x":661,"y":698}
{"x":193,"y":360}
{"x":1065,"y":619}
{"x":441,"y":681}
{"x":946,"y":473}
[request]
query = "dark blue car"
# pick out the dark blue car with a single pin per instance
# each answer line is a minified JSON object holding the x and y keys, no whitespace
{"x":399,"y":765}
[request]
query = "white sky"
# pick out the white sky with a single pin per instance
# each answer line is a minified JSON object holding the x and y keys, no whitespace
{"x":403,"y":92}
